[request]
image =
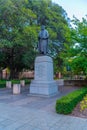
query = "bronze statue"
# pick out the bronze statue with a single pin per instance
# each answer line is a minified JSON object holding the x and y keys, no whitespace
{"x":43,"y":41}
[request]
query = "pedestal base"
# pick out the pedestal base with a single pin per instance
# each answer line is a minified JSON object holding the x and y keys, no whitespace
{"x":16,"y":89}
{"x":43,"y":83}
{"x":43,"y":88}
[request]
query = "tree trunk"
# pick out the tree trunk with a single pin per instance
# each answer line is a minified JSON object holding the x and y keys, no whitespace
{"x":11,"y":73}
{"x":1,"y":74}
{"x":14,"y":74}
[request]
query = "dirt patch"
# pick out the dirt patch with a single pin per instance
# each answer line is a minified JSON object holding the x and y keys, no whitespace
{"x":78,"y":113}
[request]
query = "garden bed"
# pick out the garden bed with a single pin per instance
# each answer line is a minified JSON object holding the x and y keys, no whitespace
{"x":67,"y":103}
{"x":81,"y":109}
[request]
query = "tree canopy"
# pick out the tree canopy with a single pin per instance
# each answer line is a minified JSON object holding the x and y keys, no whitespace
{"x":76,"y":53}
{"x":20,"y":23}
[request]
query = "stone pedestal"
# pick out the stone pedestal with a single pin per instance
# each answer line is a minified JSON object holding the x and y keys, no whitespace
{"x":16,"y":88}
{"x":8,"y":84}
{"x":22,"y":83}
{"x":43,"y":83}
{"x":60,"y":82}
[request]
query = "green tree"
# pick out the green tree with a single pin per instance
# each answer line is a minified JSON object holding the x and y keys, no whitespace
{"x":57,"y":23}
{"x":76,"y":53}
{"x":15,"y":40}
{"x":20,"y":23}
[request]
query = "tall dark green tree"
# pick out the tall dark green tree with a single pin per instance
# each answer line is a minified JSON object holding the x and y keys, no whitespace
{"x":20,"y":23}
{"x":16,"y":34}
{"x":76,"y":53}
{"x":55,"y":18}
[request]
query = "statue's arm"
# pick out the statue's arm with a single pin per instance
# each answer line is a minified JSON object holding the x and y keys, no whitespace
{"x":47,"y":34}
{"x":38,"y":38}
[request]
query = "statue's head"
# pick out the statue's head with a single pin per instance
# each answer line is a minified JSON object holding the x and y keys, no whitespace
{"x":42,"y":27}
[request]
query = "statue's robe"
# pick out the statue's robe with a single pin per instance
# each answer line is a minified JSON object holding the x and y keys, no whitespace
{"x":43,"y":41}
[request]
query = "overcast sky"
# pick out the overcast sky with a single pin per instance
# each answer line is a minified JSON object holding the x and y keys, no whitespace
{"x":78,"y":8}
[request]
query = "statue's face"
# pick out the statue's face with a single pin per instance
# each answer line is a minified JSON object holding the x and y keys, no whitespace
{"x":42,"y":27}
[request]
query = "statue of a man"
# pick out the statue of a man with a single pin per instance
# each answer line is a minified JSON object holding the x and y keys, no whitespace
{"x":43,"y":41}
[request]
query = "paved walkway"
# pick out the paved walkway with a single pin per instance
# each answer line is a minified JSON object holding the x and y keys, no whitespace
{"x":24,"y":112}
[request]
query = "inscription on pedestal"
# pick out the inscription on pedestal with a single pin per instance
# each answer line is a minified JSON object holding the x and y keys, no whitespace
{"x":40,"y":70}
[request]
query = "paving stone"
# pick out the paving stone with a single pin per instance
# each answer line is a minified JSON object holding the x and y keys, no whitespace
{"x":24,"y":112}
{"x":6,"y":122}
{"x":27,"y":127}
{"x":2,"y":127}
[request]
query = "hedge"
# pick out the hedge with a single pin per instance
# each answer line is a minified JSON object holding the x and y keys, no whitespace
{"x":3,"y":82}
{"x":66,"y":104}
{"x":27,"y":81}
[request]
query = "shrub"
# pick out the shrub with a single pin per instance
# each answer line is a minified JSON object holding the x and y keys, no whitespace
{"x":27,"y":81}
{"x":2,"y":83}
{"x":66,"y":104}
{"x":15,"y":81}
{"x":83,"y":103}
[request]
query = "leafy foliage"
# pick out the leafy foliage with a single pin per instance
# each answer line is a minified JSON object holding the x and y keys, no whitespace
{"x":66,"y":104}
{"x":16,"y":37}
{"x":76,"y":52}
{"x":83,"y":103}
{"x":3,"y":82}
{"x":20,"y":23}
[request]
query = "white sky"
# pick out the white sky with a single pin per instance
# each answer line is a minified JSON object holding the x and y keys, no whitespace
{"x":78,"y":8}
